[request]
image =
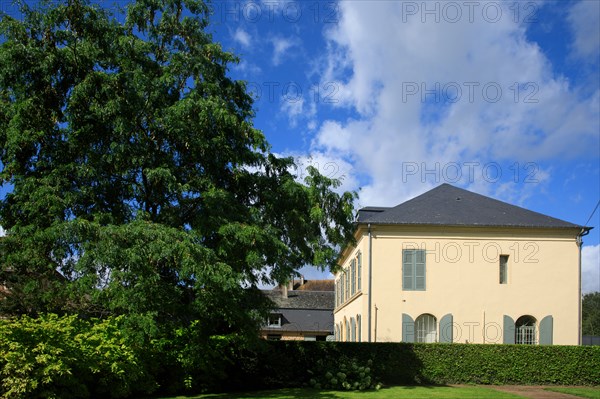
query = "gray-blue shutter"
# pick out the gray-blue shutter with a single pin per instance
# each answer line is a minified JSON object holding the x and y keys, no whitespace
{"x":546,"y":330}
{"x":408,"y":272}
{"x":419,"y":270}
{"x":408,"y":328}
{"x":508,"y":330}
{"x":446,"y":330}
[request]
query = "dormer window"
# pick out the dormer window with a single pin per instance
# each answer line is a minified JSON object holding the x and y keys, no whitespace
{"x":274,"y":320}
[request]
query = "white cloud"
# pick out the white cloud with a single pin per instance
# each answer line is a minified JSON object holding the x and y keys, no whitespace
{"x":584,"y":18}
{"x":440,"y":92}
{"x":281,"y":46}
{"x":590,"y":268}
{"x":242,"y":37}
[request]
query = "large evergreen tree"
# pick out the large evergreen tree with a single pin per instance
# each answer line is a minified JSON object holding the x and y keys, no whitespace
{"x":139,"y":184}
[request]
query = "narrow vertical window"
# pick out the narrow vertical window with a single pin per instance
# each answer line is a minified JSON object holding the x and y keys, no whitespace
{"x":358,"y":323}
{"x":353,"y":277}
{"x":347,"y":284}
{"x":359,"y":267}
{"x":503,"y":269}
{"x":342,"y":289}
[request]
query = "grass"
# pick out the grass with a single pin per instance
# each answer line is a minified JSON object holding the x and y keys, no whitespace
{"x":402,"y":392}
{"x":591,"y":393}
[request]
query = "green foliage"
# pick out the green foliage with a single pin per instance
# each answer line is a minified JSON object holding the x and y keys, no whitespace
{"x":286,"y":364}
{"x":591,"y":314}
{"x":140,"y":185}
{"x":343,"y":374}
{"x":66,"y":357}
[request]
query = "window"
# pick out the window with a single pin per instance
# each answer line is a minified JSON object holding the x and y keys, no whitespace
{"x":274,"y":320}
{"x":347,"y":331}
{"x":310,"y":337}
{"x":426,"y":328}
{"x":353,"y":277}
{"x":274,"y":337}
{"x":358,"y":325}
{"x":352,"y":329}
{"x":413,"y":269}
{"x":525,"y":330}
{"x":347,"y":274}
{"x":342,"y":289}
{"x":503,"y":269}
{"x":359,"y":266}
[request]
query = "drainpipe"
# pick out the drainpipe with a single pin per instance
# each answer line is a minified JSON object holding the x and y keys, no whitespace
{"x":370,"y":279}
{"x":579,"y":241}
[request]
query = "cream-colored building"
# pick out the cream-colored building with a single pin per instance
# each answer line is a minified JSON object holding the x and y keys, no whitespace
{"x":454,"y":266}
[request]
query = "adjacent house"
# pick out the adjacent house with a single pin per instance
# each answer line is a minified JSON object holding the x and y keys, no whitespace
{"x":454,"y":266}
{"x":304,"y":311}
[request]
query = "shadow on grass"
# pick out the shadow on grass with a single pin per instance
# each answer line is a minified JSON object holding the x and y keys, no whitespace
{"x":306,"y":393}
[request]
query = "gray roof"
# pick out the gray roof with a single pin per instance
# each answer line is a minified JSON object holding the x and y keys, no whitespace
{"x":310,"y":311}
{"x":452,"y":206}
{"x":318,"y":321}
{"x":323,"y":300}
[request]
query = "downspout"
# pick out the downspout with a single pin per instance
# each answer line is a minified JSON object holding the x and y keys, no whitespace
{"x":370,"y":279}
{"x":579,"y":241}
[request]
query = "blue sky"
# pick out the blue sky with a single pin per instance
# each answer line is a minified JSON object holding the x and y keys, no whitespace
{"x":397,"y":97}
{"x":501,"y":98}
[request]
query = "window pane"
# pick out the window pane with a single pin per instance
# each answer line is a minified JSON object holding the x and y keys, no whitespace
{"x":503,"y":269}
{"x":408,"y":276}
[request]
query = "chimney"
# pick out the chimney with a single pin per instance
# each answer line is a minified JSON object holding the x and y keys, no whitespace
{"x":301,"y":280}
{"x":284,"y":290}
{"x":291,"y":285}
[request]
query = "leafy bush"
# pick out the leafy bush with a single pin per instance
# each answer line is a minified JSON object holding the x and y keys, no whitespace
{"x":287,"y":363}
{"x":67,"y":357}
{"x":345,"y":374}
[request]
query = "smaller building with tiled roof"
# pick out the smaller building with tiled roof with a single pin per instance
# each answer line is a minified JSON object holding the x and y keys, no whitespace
{"x":303,"y":311}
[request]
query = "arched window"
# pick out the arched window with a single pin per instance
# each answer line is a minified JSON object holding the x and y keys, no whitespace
{"x":525,"y":330}
{"x":426,"y":328}
{"x":347,"y":337}
{"x":358,"y":326}
{"x":352,"y":329}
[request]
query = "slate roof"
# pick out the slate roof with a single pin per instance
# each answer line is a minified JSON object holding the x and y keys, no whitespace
{"x":303,"y":320}
{"x":452,"y":206}
{"x":323,"y":300}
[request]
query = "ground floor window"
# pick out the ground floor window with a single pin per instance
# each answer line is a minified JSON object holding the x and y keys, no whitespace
{"x":525,"y":330}
{"x":426,"y":328}
{"x":274,"y":337}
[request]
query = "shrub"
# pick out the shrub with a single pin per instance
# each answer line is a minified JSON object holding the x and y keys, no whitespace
{"x":287,"y":363}
{"x":344,"y":374}
{"x":66,"y":357}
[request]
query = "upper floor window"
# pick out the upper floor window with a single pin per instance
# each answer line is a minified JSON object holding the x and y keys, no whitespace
{"x":274,"y":320}
{"x":359,"y":269}
{"x":353,"y":276}
{"x":503,"y":269}
{"x":413,"y":269}
{"x":347,"y":275}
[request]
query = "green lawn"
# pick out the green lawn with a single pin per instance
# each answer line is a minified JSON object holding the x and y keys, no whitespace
{"x":408,"y":392}
{"x":592,"y":393}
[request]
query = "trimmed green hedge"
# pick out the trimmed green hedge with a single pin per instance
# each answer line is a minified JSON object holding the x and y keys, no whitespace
{"x":288,"y":363}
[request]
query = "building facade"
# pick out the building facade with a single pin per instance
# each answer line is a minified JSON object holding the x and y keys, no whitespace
{"x":455,"y":266}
